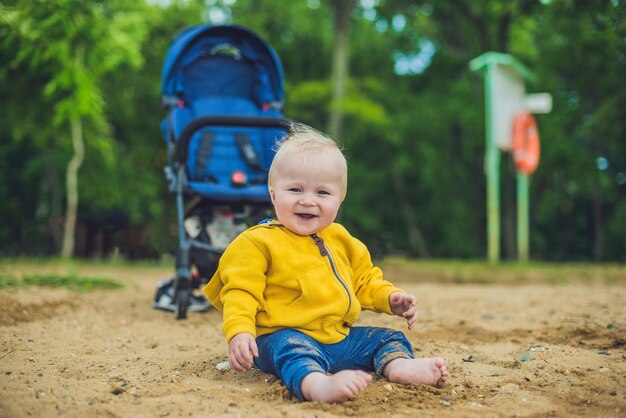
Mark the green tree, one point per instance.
(77, 42)
(580, 199)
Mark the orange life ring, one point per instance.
(525, 143)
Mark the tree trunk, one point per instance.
(54, 195)
(340, 71)
(417, 242)
(71, 179)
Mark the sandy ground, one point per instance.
(530, 350)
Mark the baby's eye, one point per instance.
(323, 192)
(294, 190)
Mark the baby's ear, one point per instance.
(272, 195)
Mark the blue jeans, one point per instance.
(291, 355)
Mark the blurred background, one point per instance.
(80, 83)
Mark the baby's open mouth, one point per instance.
(306, 215)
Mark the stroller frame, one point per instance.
(177, 176)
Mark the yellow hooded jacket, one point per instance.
(270, 279)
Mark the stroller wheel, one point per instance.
(164, 298)
(182, 303)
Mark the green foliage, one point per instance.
(301, 32)
(76, 41)
(415, 142)
(582, 72)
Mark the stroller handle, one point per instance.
(182, 145)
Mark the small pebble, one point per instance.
(223, 366)
(509, 388)
(388, 387)
(526, 357)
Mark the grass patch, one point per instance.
(72, 282)
(7, 281)
(166, 261)
(79, 275)
(510, 272)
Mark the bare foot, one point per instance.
(421, 371)
(338, 387)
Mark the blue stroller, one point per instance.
(223, 90)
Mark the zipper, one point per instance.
(325, 253)
(320, 244)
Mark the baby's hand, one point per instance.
(241, 348)
(404, 305)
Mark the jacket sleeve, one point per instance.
(371, 289)
(239, 286)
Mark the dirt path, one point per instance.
(530, 350)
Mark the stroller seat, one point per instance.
(216, 154)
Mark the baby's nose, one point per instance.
(307, 200)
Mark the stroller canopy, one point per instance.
(185, 68)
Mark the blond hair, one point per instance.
(303, 141)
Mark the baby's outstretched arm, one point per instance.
(241, 348)
(404, 305)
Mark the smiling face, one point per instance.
(307, 190)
